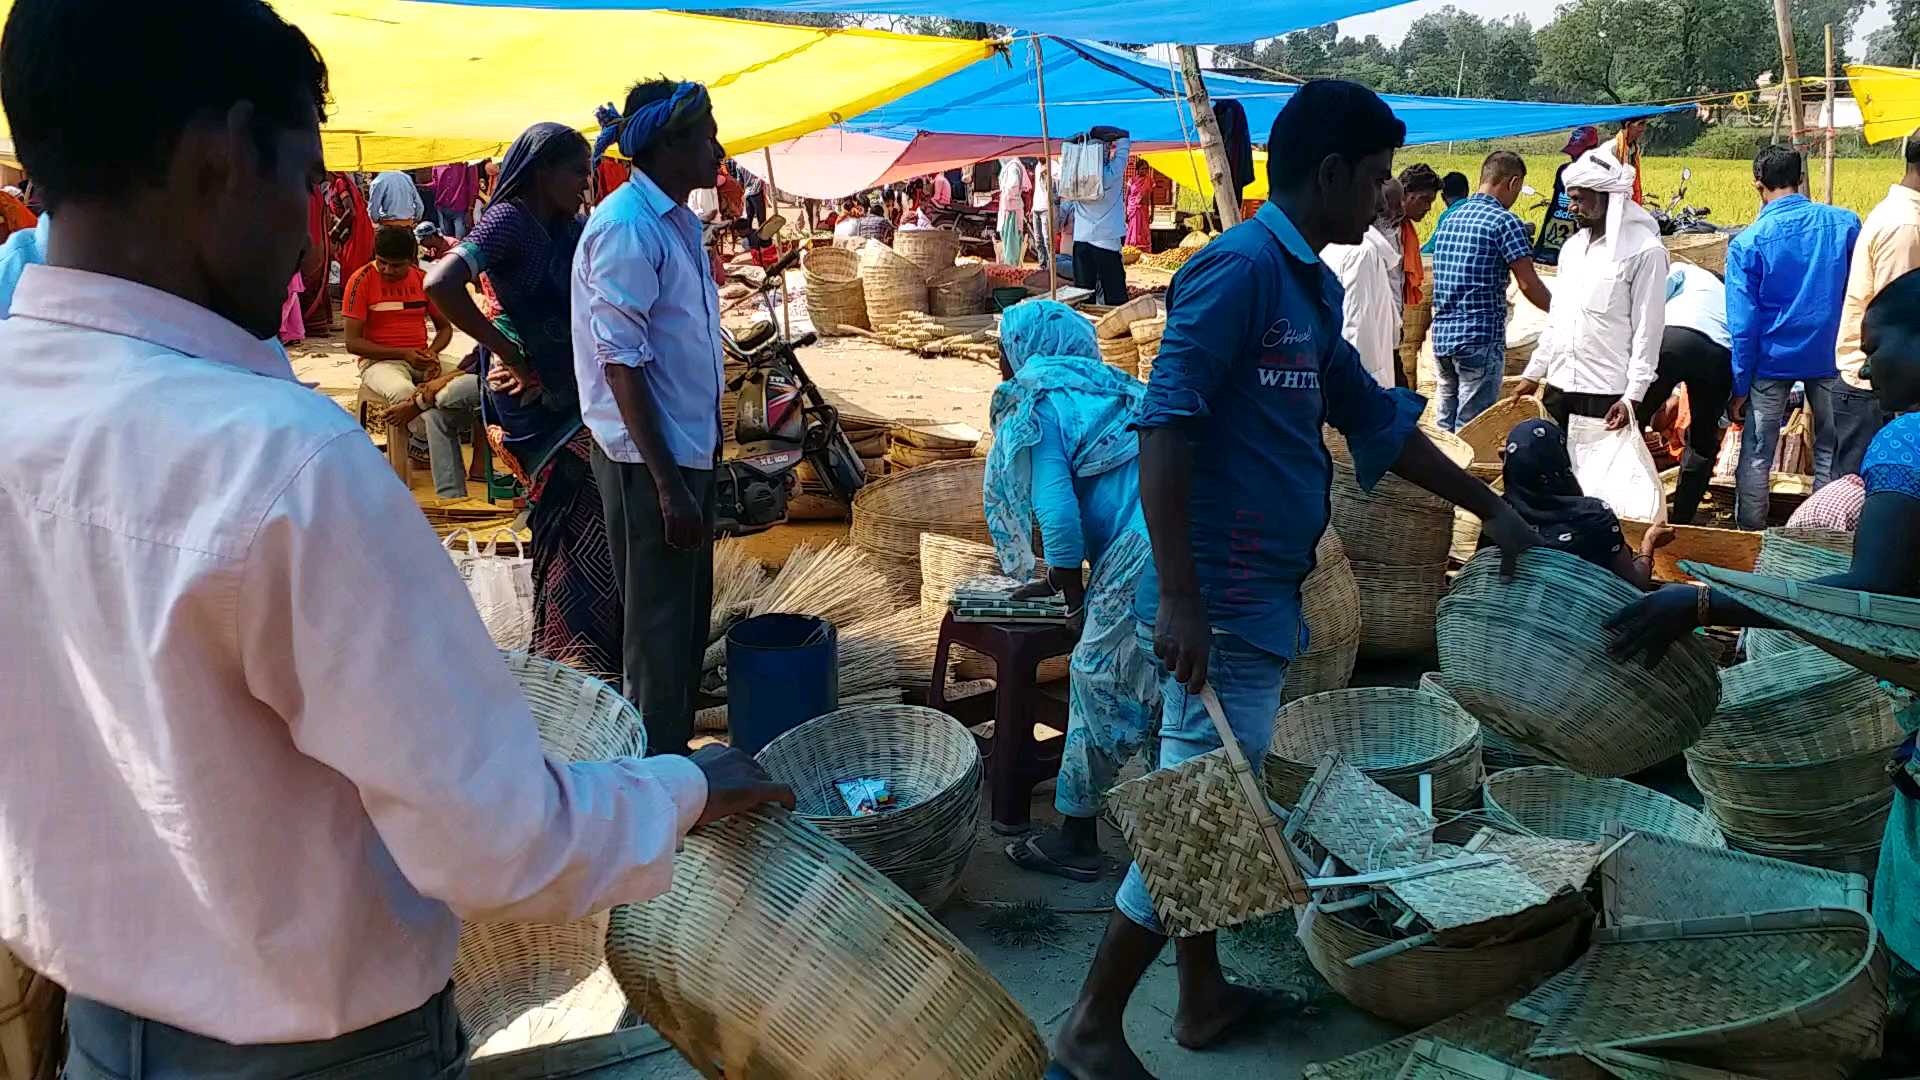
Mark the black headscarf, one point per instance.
(540, 145)
(1540, 485)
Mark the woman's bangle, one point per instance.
(1700, 605)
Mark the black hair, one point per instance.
(1501, 165)
(1453, 186)
(395, 244)
(152, 69)
(1325, 118)
(1913, 148)
(1897, 306)
(1418, 178)
(1777, 167)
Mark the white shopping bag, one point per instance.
(501, 586)
(1082, 171)
(1616, 468)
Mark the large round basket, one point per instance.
(1398, 606)
(945, 562)
(1800, 554)
(835, 296)
(1466, 524)
(1146, 338)
(521, 984)
(890, 514)
(1120, 353)
(927, 758)
(1487, 433)
(932, 250)
(1429, 983)
(779, 955)
(959, 290)
(1390, 733)
(1399, 523)
(893, 285)
(1330, 606)
(1702, 249)
(1529, 658)
(1496, 750)
(1550, 801)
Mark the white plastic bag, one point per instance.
(1616, 468)
(1083, 168)
(501, 587)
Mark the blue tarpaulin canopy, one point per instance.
(1091, 84)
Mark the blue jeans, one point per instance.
(1760, 442)
(1247, 680)
(453, 223)
(104, 1043)
(1468, 383)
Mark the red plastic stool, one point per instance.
(1016, 762)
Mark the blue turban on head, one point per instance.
(647, 122)
(1045, 328)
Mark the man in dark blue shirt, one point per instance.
(1234, 480)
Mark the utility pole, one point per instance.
(1790, 73)
(1832, 106)
(1226, 197)
(1459, 87)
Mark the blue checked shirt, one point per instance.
(1472, 249)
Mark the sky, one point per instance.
(1391, 25)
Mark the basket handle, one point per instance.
(1294, 883)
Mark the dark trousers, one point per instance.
(1562, 404)
(1691, 357)
(667, 595)
(104, 1043)
(1857, 418)
(1102, 271)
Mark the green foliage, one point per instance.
(1736, 143)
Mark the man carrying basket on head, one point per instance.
(1234, 479)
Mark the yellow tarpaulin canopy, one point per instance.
(422, 84)
(1889, 99)
(1189, 170)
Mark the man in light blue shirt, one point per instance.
(647, 357)
(1695, 349)
(392, 199)
(1786, 285)
(1100, 225)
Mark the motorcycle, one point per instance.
(1675, 218)
(780, 420)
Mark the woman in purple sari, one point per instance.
(1139, 191)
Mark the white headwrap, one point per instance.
(1629, 228)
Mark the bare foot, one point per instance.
(1199, 1025)
(1096, 1052)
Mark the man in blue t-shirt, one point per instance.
(1234, 480)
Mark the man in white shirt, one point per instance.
(1100, 225)
(1370, 316)
(1599, 351)
(1888, 247)
(1696, 348)
(262, 757)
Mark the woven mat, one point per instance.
(1472, 894)
(1433, 1059)
(1674, 983)
(1544, 1003)
(1627, 1065)
(1654, 878)
(1363, 824)
(1553, 864)
(1486, 1029)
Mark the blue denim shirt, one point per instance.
(1786, 284)
(1251, 365)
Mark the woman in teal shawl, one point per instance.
(1064, 459)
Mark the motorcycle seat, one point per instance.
(753, 337)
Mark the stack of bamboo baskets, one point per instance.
(912, 445)
(1146, 340)
(932, 250)
(892, 284)
(959, 290)
(1799, 555)
(835, 296)
(1793, 764)
(1398, 539)
(1114, 333)
(889, 515)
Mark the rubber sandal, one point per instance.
(1027, 856)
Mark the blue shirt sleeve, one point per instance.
(1375, 419)
(1892, 462)
(1055, 505)
(1211, 317)
(1510, 237)
(1743, 316)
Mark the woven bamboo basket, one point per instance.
(1391, 734)
(519, 984)
(889, 515)
(1875, 632)
(1487, 433)
(1530, 658)
(1497, 752)
(778, 954)
(959, 290)
(1120, 353)
(903, 456)
(1801, 731)
(1399, 523)
(945, 562)
(1330, 606)
(1798, 993)
(934, 436)
(1146, 338)
(1466, 525)
(933, 765)
(1485, 1028)
(835, 296)
(1398, 606)
(1721, 547)
(1550, 801)
(1703, 249)
(1656, 878)
(893, 285)
(1115, 322)
(1430, 983)
(31, 1006)
(1800, 554)
(932, 250)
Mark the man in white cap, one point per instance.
(1601, 347)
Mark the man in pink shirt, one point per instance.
(261, 755)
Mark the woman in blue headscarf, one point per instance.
(524, 245)
(1064, 458)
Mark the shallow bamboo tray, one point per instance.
(1735, 549)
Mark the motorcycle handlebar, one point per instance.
(785, 264)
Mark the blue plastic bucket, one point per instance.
(782, 670)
